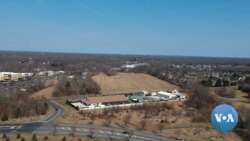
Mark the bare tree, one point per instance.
(143, 124)
(74, 129)
(126, 119)
(160, 126)
(130, 134)
(178, 133)
(108, 120)
(91, 133)
(223, 92)
(92, 117)
(112, 133)
(54, 129)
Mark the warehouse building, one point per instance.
(166, 95)
(12, 76)
(107, 100)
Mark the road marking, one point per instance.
(13, 131)
(68, 128)
(10, 127)
(78, 129)
(101, 131)
(119, 134)
(64, 128)
(19, 127)
(84, 129)
(144, 138)
(81, 129)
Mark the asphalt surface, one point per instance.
(24, 83)
(48, 127)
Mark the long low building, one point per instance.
(166, 95)
(107, 100)
(12, 76)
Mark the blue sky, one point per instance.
(156, 27)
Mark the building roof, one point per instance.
(106, 99)
(167, 94)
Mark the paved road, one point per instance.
(57, 111)
(49, 127)
(105, 132)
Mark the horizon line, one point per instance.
(124, 54)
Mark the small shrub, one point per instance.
(198, 118)
(34, 137)
(4, 136)
(64, 139)
(18, 136)
(223, 92)
(7, 139)
(5, 117)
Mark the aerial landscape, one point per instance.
(124, 70)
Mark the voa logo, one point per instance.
(224, 118)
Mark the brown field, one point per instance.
(239, 100)
(46, 93)
(131, 82)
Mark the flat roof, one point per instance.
(78, 104)
(106, 99)
(165, 93)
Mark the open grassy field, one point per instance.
(46, 93)
(131, 82)
(239, 100)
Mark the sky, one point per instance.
(217, 28)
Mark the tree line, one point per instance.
(16, 104)
(245, 86)
(21, 105)
(76, 86)
(200, 102)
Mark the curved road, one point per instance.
(48, 126)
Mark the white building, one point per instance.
(179, 95)
(12, 76)
(131, 66)
(166, 95)
(46, 73)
